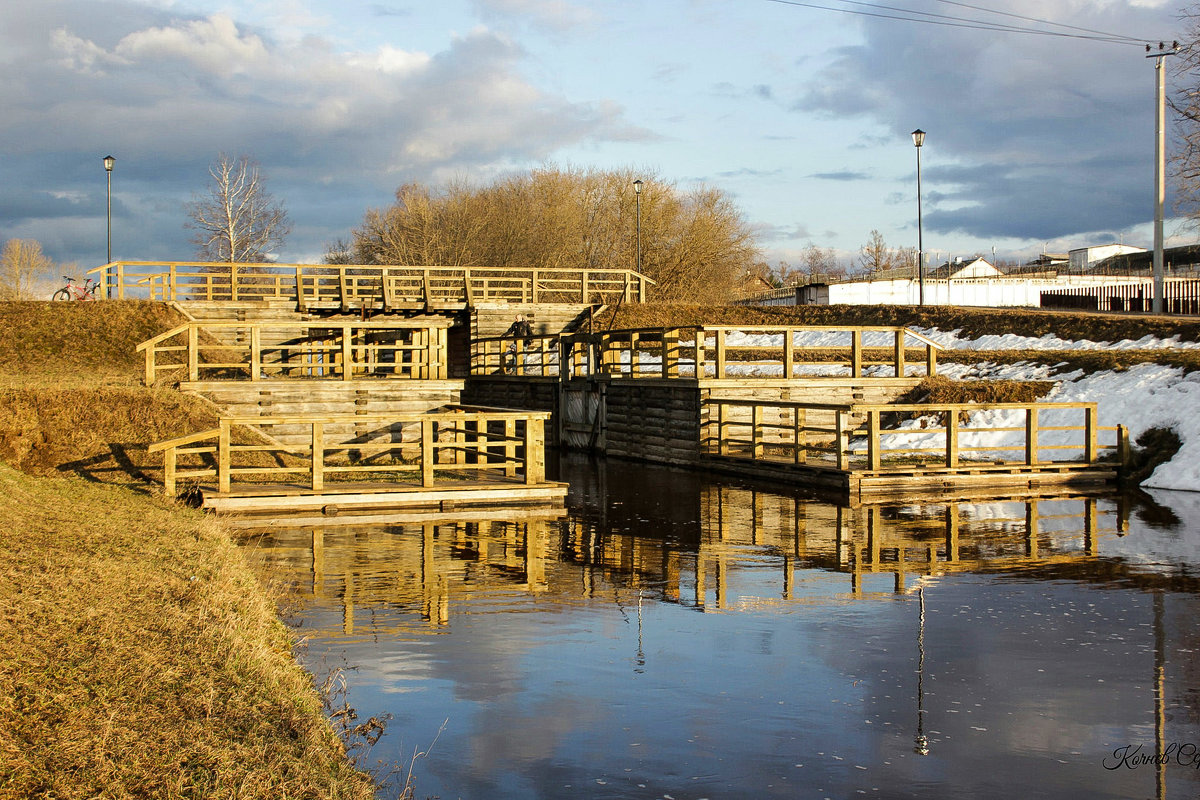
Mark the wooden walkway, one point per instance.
(315, 287)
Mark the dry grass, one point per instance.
(140, 658)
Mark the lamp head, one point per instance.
(637, 186)
(108, 163)
(918, 137)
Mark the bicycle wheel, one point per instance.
(61, 294)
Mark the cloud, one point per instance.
(1060, 131)
(841, 175)
(165, 94)
(557, 15)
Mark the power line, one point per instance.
(950, 21)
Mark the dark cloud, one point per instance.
(333, 133)
(1058, 132)
(841, 175)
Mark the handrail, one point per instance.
(456, 439)
(326, 349)
(873, 437)
(379, 286)
(713, 351)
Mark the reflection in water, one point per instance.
(1034, 639)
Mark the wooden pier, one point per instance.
(457, 457)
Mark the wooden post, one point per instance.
(535, 451)
(510, 447)
(301, 299)
(951, 438)
(701, 368)
(223, 457)
(756, 444)
(583, 287)
(874, 457)
(255, 351)
(722, 442)
(789, 354)
(634, 361)
(193, 353)
(800, 436)
(318, 456)
(841, 440)
(347, 354)
(899, 353)
(427, 452)
(720, 369)
(1031, 436)
(233, 282)
(533, 289)
(169, 456)
(670, 353)
(930, 360)
(172, 292)
(1091, 447)
(1123, 452)
(150, 365)
(856, 353)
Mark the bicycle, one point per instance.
(73, 291)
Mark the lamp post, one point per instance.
(1159, 171)
(108, 165)
(918, 137)
(637, 192)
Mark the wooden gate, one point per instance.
(581, 416)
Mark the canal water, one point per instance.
(681, 636)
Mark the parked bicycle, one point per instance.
(73, 291)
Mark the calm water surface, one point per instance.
(677, 636)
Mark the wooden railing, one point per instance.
(536, 355)
(369, 286)
(409, 449)
(727, 352)
(326, 350)
(875, 438)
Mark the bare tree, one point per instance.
(237, 219)
(22, 266)
(875, 256)
(695, 245)
(821, 261)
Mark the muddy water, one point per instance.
(681, 637)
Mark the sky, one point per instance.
(801, 115)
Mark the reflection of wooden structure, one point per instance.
(864, 449)
(368, 461)
(369, 287)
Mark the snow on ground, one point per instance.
(1010, 341)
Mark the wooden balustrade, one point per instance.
(414, 449)
(325, 350)
(536, 355)
(725, 352)
(365, 287)
(874, 437)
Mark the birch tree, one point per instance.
(22, 267)
(236, 219)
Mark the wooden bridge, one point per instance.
(383, 288)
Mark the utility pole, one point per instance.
(1160, 168)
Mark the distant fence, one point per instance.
(1179, 297)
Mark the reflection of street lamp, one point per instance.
(918, 137)
(637, 192)
(921, 741)
(108, 165)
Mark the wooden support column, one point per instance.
(701, 367)
(720, 372)
(670, 353)
(800, 437)
(1031, 436)
(874, 457)
(510, 448)
(930, 360)
(756, 444)
(1090, 446)
(952, 438)
(169, 460)
(535, 451)
(255, 352)
(856, 353)
(841, 440)
(427, 452)
(899, 358)
(223, 457)
(789, 355)
(193, 353)
(318, 456)
(347, 354)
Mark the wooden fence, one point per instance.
(895, 437)
(324, 350)
(727, 352)
(417, 449)
(382, 287)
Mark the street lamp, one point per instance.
(637, 192)
(918, 137)
(1159, 171)
(108, 165)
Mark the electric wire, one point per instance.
(950, 21)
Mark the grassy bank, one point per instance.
(139, 657)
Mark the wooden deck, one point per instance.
(358, 497)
